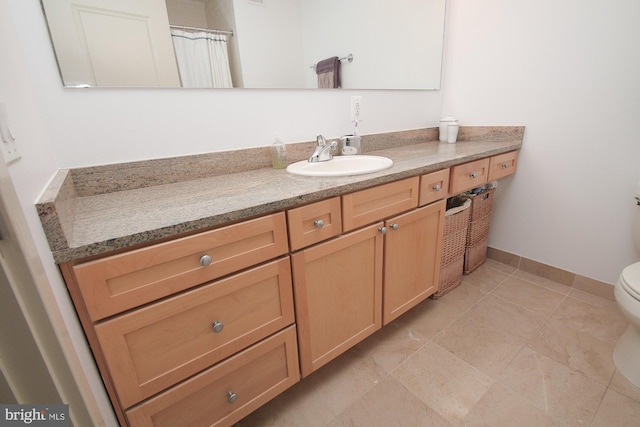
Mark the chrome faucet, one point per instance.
(323, 150)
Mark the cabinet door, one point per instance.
(412, 258)
(338, 295)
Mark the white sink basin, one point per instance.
(341, 166)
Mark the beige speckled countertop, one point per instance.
(91, 211)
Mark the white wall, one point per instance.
(569, 71)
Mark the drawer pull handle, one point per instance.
(232, 397)
(205, 260)
(394, 226)
(505, 166)
(383, 230)
(473, 175)
(217, 327)
(437, 187)
(318, 223)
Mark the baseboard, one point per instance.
(576, 281)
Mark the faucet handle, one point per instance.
(320, 140)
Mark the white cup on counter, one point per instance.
(452, 132)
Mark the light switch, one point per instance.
(7, 143)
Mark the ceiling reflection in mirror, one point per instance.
(273, 44)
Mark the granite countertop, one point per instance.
(92, 211)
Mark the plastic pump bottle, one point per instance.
(278, 154)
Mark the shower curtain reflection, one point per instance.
(203, 59)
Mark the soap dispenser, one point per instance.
(278, 154)
(351, 143)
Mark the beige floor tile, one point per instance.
(398, 340)
(500, 407)
(617, 410)
(541, 281)
(429, 317)
(393, 344)
(389, 404)
(577, 350)
(488, 349)
(622, 385)
(606, 324)
(462, 298)
(346, 379)
(485, 278)
(528, 295)
(301, 405)
(594, 300)
(499, 313)
(551, 386)
(443, 381)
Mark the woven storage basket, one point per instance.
(478, 230)
(481, 204)
(453, 247)
(475, 256)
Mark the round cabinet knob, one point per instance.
(217, 327)
(383, 230)
(231, 397)
(318, 223)
(505, 166)
(394, 226)
(205, 260)
(473, 174)
(437, 187)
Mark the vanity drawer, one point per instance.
(227, 392)
(154, 347)
(468, 175)
(377, 203)
(121, 282)
(503, 165)
(314, 223)
(434, 186)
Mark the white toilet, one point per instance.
(626, 354)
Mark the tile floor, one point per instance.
(505, 348)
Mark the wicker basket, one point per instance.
(478, 230)
(475, 256)
(453, 248)
(481, 204)
(450, 277)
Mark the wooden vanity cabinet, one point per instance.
(412, 253)
(182, 321)
(347, 288)
(338, 295)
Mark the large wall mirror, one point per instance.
(272, 44)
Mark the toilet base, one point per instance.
(626, 355)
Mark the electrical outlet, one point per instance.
(7, 141)
(356, 108)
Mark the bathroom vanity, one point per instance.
(204, 296)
